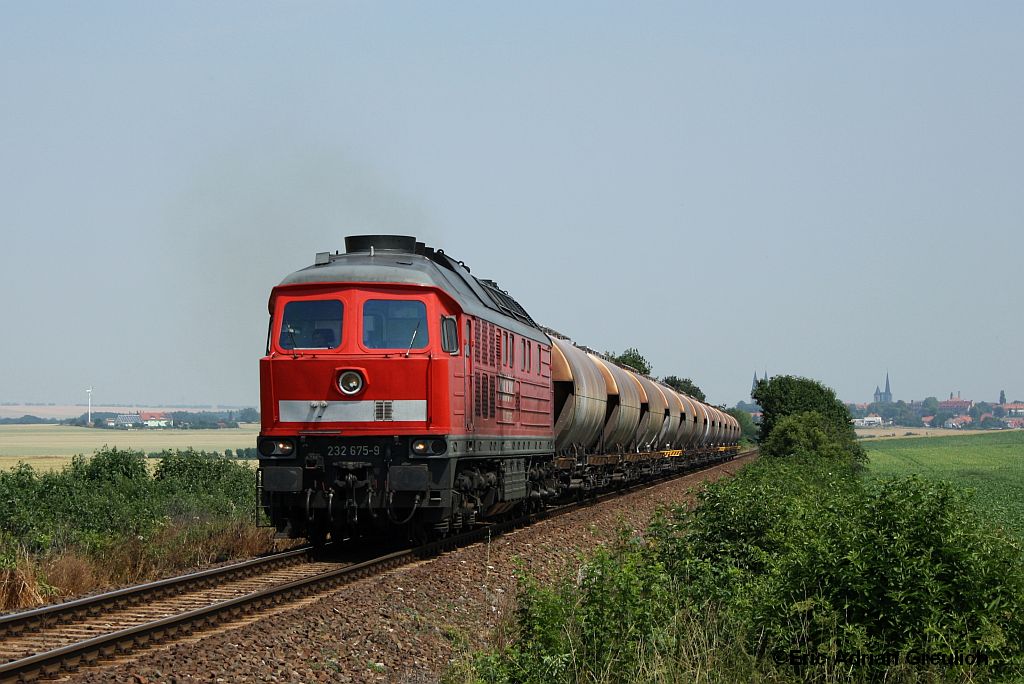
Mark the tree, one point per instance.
(907, 415)
(930, 406)
(991, 423)
(1002, 396)
(941, 417)
(747, 428)
(632, 358)
(741, 405)
(786, 395)
(980, 409)
(248, 415)
(856, 412)
(686, 386)
(811, 434)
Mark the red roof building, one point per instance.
(956, 405)
(1014, 409)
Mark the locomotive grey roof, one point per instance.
(400, 259)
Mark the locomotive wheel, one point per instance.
(317, 535)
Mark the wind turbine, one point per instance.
(89, 392)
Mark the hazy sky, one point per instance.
(808, 188)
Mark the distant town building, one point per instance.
(155, 419)
(149, 419)
(956, 405)
(1014, 409)
(753, 385)
(869, 421)
(958, 422)
(886, 396)
(127, 420)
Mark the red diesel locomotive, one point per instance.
(399, 391)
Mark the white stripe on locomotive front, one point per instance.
(312, 411)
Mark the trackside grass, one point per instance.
(992, 465)
(807, 566)
(113, 519)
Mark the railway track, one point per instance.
(49, 641)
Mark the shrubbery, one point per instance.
(812, 434)
(96, 502)
(111, 510)
(793, 570)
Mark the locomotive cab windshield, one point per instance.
(348, 321)
(395, 324)
(311, 324)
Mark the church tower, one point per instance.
(886, 396)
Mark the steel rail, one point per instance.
(15, 624)
(93, 650)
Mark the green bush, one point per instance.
(95, 503)
(786, 395)
(587, 627)
(816, 563)
(792, 570)
(809, 433)
(201, 483)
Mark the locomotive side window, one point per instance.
(395, 324)
(449, 335)
(314, 324)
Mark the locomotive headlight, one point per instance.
(350, 382)
(276, 447)
(428, 447)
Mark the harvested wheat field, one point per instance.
(50, 447)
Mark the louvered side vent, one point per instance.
(476, 395)
(491, 332)
(383, 410)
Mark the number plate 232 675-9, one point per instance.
(353, 450)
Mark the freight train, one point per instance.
(400, 394)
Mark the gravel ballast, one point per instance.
(406, 625)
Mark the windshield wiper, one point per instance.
(291, 333)
(413, 340)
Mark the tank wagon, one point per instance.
(402, 394)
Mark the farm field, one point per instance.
(893, 432)
(50, 447)
(991, 464)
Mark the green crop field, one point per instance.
(991, 464)
(49, 447)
